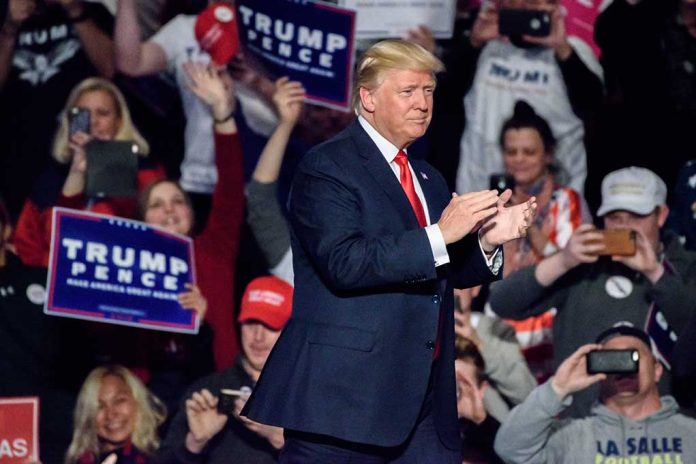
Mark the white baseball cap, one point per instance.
(633, 189)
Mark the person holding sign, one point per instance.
(115, 414)
(364, 369)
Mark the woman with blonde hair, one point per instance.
(63, 182)
(115, 414)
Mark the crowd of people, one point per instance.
(592, 138)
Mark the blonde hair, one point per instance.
(387, 55)
(151, 412)
(126, 128)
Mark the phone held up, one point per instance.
(617, 242)
(227, 398)
(522, 21)
(612, 361)
(79, 120)
(501, 182)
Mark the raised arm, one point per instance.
(264, 214)
(216, 89)
(527, 435)
(132, 56)
(97, 44)
(17, 12)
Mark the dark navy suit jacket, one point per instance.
(355, 358)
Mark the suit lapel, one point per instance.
(433, 195)
(379, 169)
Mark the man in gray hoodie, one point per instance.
(631, 423)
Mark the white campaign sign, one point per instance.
(379, 19)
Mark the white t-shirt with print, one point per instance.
(198, 172)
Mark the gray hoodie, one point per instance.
(531, 434)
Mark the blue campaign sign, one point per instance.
(119, 271)
(310, 42)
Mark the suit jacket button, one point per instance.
(436, 299)
(430, 344)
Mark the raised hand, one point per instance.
(469, 397)
(213, 86)
(582, 247)
(204, 420)
(77, 143)
(423, 36)
(462, 315)
(485, 27)
(571, 376)
(465, 212)
(645, 260)
(508, 222)
(288, 98)
(193, 299)
(18, 11)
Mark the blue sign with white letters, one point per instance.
(307, 41)
(119, 271)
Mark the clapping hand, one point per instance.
(508, 222)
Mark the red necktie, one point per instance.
(407, 183)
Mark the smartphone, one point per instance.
(617, 242)
(112, 169)
(612, 361)
(78, 120)
(501, 182)
(521, 21)
(227, 397)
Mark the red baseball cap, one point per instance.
(268, 300)
(216, 32)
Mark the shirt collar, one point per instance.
(388, 149)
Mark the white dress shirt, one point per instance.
(437, 241)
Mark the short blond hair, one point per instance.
(151, 414)
(126, 128)
(387, 55)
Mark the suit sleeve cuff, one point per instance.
(494, 261)
(437, 245)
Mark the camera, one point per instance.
(501, 182)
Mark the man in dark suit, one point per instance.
(364, 371)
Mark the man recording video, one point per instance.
(630, 423)
(653, 287)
